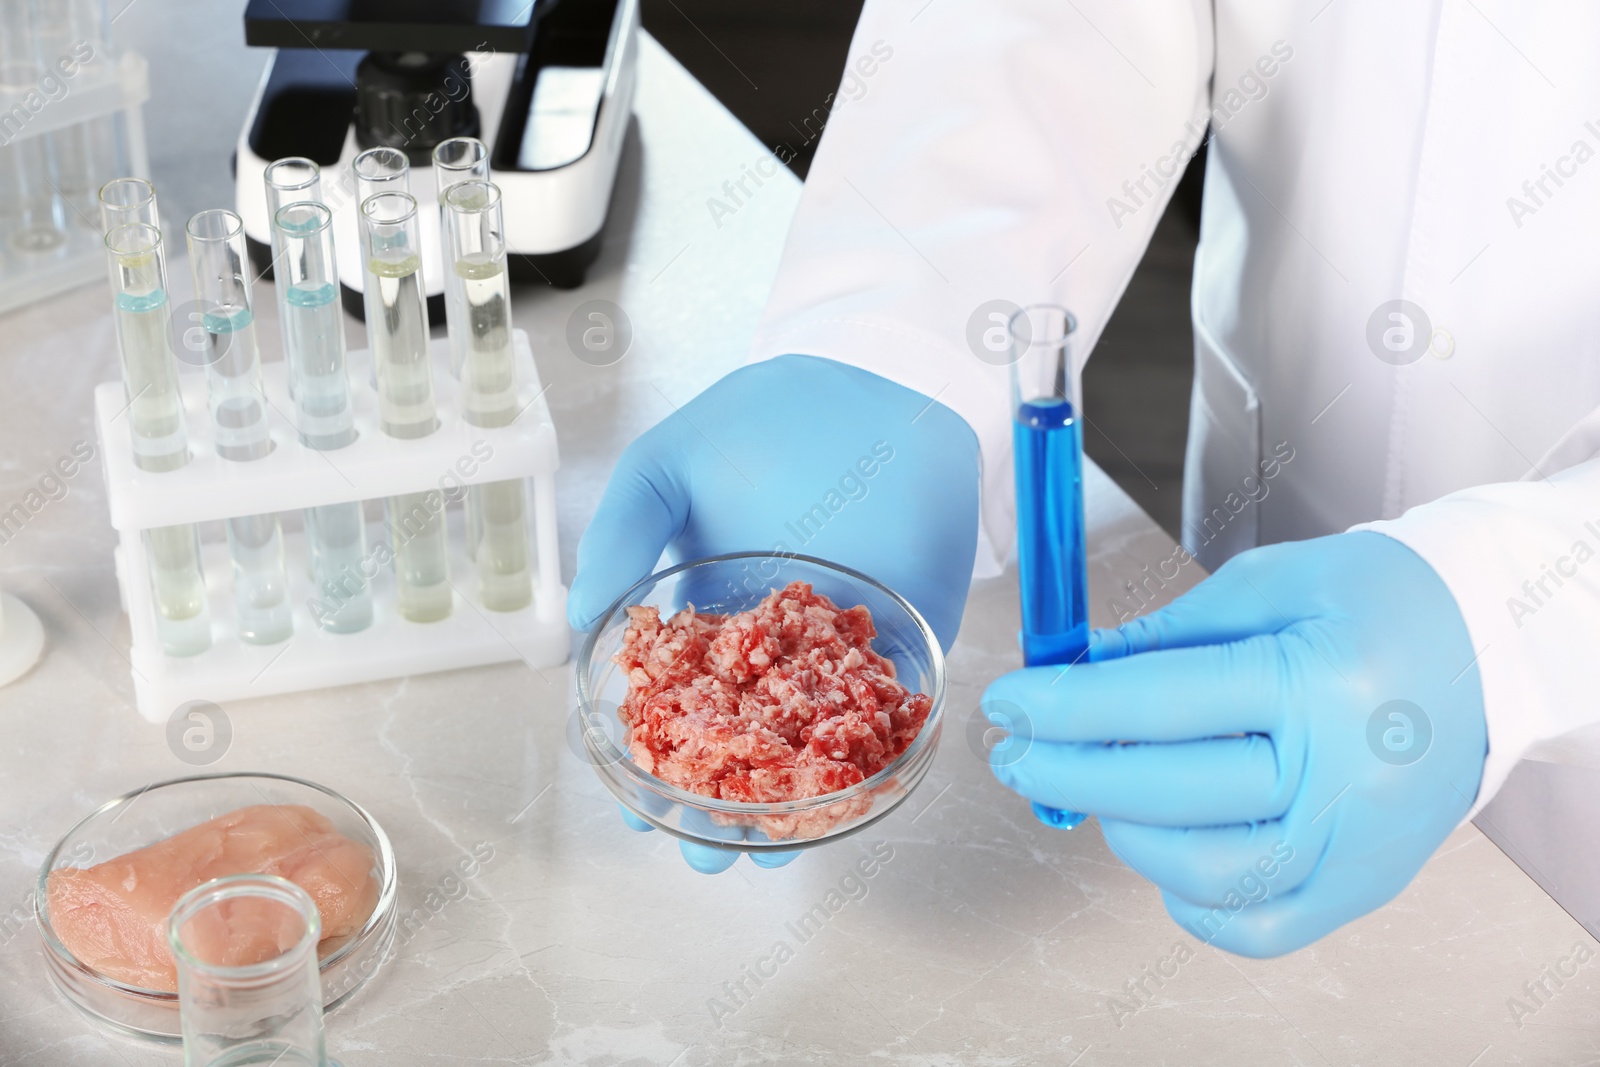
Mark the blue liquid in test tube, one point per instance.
(1047, 441)
(1048, 445)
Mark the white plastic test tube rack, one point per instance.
(52, 101)
(294, 477)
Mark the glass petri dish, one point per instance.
(143, 816)
(737, 582)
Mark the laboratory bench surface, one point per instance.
(980, 937)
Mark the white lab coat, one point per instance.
(980, 150)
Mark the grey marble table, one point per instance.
(981, 938)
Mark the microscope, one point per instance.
(547, 85)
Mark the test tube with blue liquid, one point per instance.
(226, 347)
(1047, 441)
(313, 345)
(291, 180)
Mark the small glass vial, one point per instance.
(249, 991)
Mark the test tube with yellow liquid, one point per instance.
(497, 512)
(397, 331)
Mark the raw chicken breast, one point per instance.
(113, 916)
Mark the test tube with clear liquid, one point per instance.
(456, 160)
(313, 342)
(249, 991)
(32, 214)
(397, 328)
(378, 170)
(1047, 440)
(225, 344)
(291, 180)
(497, 512)
(77, 32)
(156, 424)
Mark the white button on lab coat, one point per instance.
(1397, 285)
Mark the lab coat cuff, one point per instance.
(975, 390)
(1464, 541)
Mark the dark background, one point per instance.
(773, 64)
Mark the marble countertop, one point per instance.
(981, 937)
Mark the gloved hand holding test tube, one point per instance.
(1047, 442)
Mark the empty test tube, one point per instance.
(127, 200)
(456, 160)
(397, 328)
(381, 170)
(497, 513)
(218, 263)
(291, 180)
(313, 343)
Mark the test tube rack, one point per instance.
(293, 477)
(117, 86)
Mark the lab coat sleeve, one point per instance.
(1523, 562)
(977, 151)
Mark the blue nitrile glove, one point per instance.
(800, 455)
(1301, 731)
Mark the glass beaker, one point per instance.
(249, 991)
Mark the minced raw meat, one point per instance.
(783, 702)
